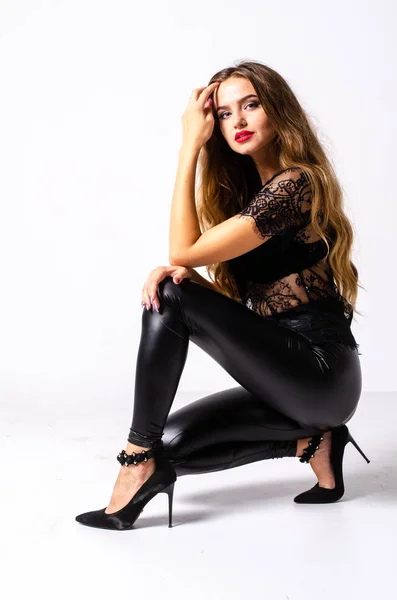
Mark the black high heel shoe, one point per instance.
(340, 437)
(162, 480)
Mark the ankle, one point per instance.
(301, 445)
(130, 448)
(141, 466)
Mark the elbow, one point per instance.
(173, 262)
(184, 258)
(177, 258)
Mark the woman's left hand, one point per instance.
(197, 120)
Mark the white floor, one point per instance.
(236, 534)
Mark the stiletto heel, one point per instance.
(170, 491)
(350, 439)
(161, 480)
(340, 437)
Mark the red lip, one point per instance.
(241, 133)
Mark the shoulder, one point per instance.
(292, 177)
(287, 188)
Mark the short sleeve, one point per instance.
(282, 203)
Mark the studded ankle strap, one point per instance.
(135, 457)
(157, 451)
(310, 450)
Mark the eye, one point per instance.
(250, 104)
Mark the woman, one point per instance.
(278, 245)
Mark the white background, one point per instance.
(92, 94)
(91, 98)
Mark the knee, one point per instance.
(167, 282)
(182, 435)
(175, 443)
(167, 287)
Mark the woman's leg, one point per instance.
(318, 388)
(236, 417)
(227, 429)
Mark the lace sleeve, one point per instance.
(283, 202)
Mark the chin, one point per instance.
(245, 150)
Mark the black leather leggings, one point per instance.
(289, 388)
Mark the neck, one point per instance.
(266, 163)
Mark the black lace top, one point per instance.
(287, 278)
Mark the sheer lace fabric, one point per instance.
(287, 277)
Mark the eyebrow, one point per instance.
(241, 100)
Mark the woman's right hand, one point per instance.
(149, 290)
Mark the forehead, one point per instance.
(232, 90)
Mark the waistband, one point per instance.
(318, 326)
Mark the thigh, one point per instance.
(231, 415)
(314, 386)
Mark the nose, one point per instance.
(239, 122)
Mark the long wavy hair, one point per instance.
(227, 180)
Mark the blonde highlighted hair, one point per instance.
(227, 180)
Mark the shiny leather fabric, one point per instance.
(288, 386)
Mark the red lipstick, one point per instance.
(241, 136)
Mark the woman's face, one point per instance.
(238, 115)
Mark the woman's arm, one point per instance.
(282, 203)
(198, 124)
(184, 224)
